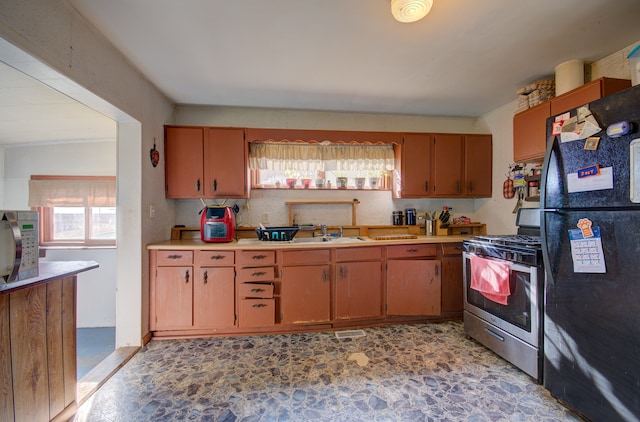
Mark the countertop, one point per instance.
(49, 270)
(300, 243)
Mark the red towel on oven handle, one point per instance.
(491, 279)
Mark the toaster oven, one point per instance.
(217, 224)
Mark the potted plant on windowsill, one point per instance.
(341, 181)
(374, 178)
(360, 181)
(291, 178)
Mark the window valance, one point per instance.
(320, 157)
(72, 191)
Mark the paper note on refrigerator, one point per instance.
(587, 253)
(601, 181)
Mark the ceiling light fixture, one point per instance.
(406, 11)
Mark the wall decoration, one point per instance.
(154, 155)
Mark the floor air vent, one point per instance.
(350, 334)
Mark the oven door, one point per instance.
(521, 316)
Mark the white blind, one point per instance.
(72, 192)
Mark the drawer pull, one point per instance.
(259, 305)
(258, 257)
(217, 257)
(174, 256)
(258, 274)
(412, 250)
(257, 290)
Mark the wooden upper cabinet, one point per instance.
(416, 165)
(478, 164)
(530, 126)
(184, 164)
(226, 168)
(205, 162)
(447, 165)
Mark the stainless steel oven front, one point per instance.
(513, 331)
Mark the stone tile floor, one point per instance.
(420, 372)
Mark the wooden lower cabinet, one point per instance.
(358, 283)
(289, 289)
(452, 284)
(413, 287)
(214, 298)
(306, 294)
(187, 297)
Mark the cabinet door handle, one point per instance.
(186, 276)
(174, 256)
(205, 276)
(259, 305)
(426, 186)
(324, 275)
(215, 185)
(258, 274)
(198, 185)
(341, 273)
(257, 290)
(458, 186)
(258, 257)
(437, 270)
(470, 186)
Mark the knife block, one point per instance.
(442, 229)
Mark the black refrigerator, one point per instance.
(590, 230)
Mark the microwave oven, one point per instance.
(217, 224)
(19, 248)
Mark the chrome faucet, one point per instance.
(324, 230)
(340, 228)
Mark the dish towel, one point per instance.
(491, 279)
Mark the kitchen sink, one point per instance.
(319, 240)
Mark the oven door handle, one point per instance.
(513, 266)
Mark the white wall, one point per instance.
(2, 205)
(55, 41)
(97, 288)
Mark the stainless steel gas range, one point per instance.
(503, 293)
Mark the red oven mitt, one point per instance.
(507, 189)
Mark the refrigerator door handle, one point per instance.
(545, 246)
(545, 169)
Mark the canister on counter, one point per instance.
(396, 217)
(410, 216)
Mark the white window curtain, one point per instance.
(72, 192)
(318, 157)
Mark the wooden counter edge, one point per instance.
(49, 270)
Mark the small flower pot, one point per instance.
(374, 182)
(319, 183)
(341, 182)
(292, 183)
(306, 183)
(360, 182)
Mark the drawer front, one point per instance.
(215, 258)
(358, 254)
(257, 313)
(177, 258)
(256, 258)
(451, 248)
(256, 274)
(411, 251)
(255, 290)
(315, 256)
